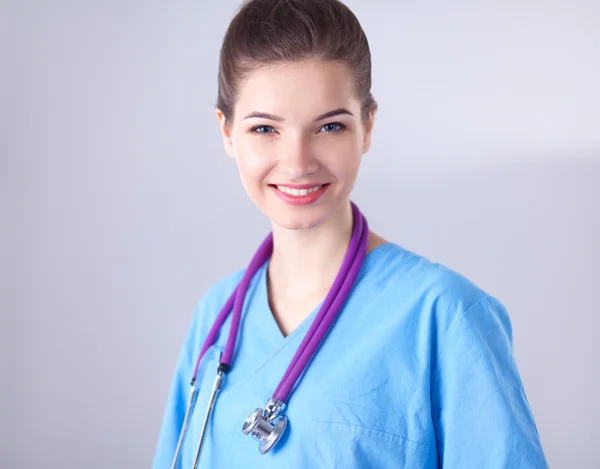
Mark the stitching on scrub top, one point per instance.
(453, 326)
(355, 430)
(382, 434)
(362, 431)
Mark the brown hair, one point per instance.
(265, 32)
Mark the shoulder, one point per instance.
(401, 272)
(440, 297)
(208, 307)
(218, 293)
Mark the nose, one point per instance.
(296, 159)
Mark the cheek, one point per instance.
(253, 160)
(342, 155)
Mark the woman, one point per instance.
(414, 368)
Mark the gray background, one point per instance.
(119, 206)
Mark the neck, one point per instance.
(306, 262)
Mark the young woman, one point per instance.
(334, 348)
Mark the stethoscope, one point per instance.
(267, 425)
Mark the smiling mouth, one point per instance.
(298, 192)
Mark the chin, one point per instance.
(295, 218)
(297, 222)
(299, 217)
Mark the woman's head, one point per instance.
(295, 104)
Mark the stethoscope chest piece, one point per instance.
(266, 425)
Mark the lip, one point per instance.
(300, 186)
(307, 199)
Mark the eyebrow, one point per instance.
(264, 115)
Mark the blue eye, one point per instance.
(262, 129)
(333, 127)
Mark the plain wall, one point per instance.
(120, 206)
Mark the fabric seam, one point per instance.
(453, 326)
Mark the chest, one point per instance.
(362, 402)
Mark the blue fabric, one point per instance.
(417, 372)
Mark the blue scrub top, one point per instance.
(417, 372)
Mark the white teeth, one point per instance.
(298, 192)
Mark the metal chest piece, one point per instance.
(267, 425)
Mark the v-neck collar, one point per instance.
(266, 338)
(266, 316)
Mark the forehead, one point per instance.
(297, 90)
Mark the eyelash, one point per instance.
(339, 124)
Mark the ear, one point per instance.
(226, 133)
(368, 129)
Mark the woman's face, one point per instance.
(297, 139)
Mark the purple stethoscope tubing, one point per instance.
(327, 314)
(323, 321)
(261, 256)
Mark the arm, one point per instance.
(479, 407)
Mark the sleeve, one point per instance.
(177, 399)
(480, 410)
